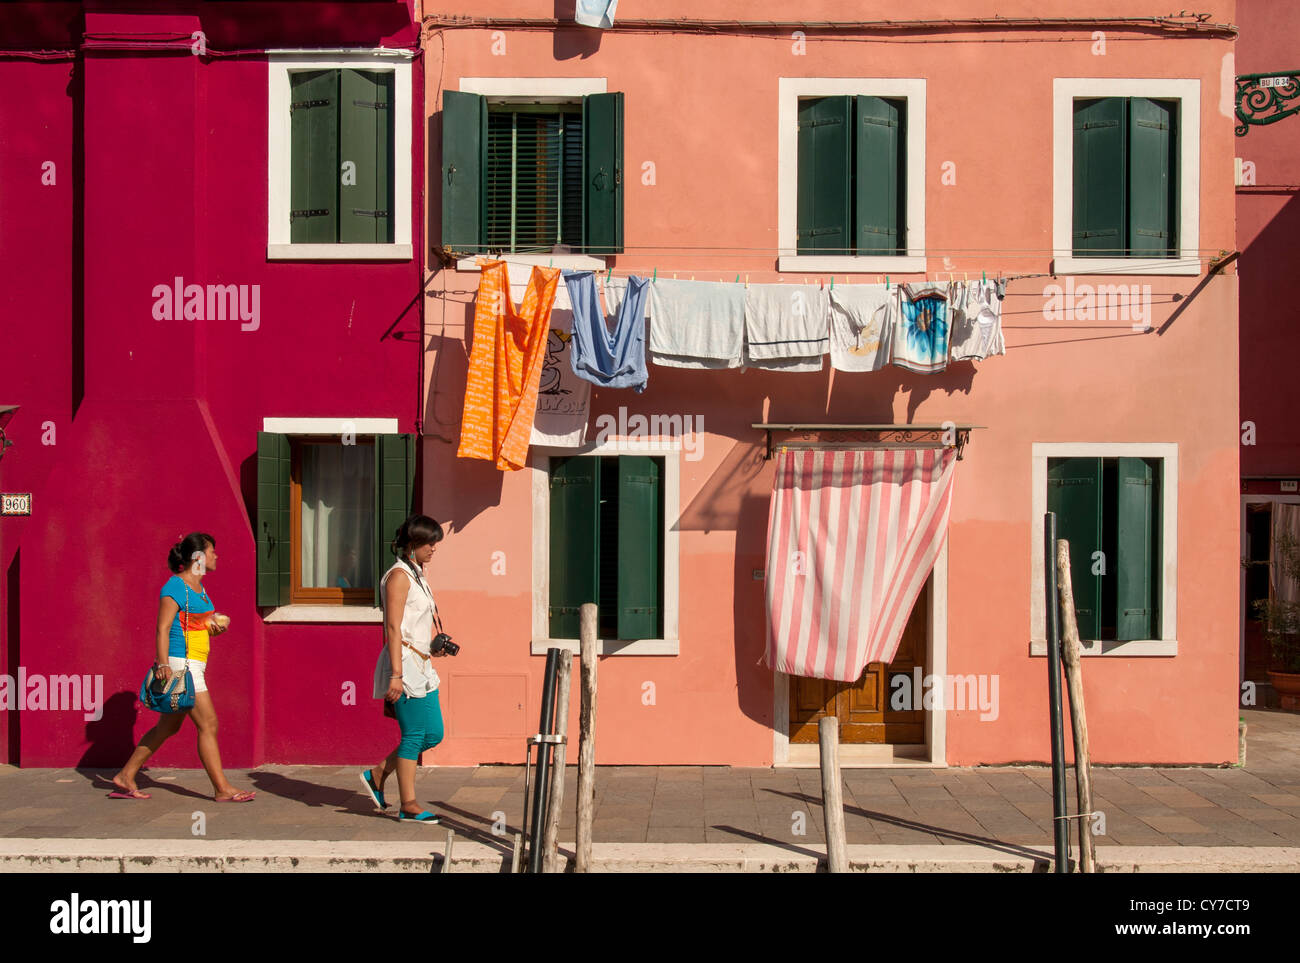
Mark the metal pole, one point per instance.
(541, 774)
(1061, 830)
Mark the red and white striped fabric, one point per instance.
(851, 538)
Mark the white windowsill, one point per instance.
(848, 264)
(571, 262)
(1137, 647)
(339, 252)
(325, 613)
(1127, 266)
(612, 646)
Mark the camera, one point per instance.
(442, 643)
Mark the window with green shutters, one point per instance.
(852, 190)
(1108, 509)
(532, 178)
(1126, 192)
(606, 545)
(326, 514)
(341, 156)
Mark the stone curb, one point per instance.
(313, 856)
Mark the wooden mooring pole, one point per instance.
(837, 853)
(1078, 718)
(587, 739)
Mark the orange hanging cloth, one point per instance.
(505, 366)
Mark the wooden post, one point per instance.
(837, 853)
(1078, 718)
(587, 738)
(446, 856)
(551, 838)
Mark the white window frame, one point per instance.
(1167, 644)
(328, 426)
(540, 466)
(1065, 91)
(280, 64)
(535, 90)
(790, 91)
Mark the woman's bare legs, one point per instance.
(168, 725)
(204, 716)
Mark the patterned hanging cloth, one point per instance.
(505, 366)
(851, 538)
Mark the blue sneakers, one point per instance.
(424, 817)
(371, 788)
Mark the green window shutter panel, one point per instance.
(1153, 191)
(464, 167)
(1137, 568)
(602, 173)
(1074, 494)
(534, 180)
(824, 205)
(394, 491)
(880, 171)
(1100, 177)
(574, 542)
(273, 513)
(314, 157)
(365, 172)
(640, 530)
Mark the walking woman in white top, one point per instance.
(404, 674)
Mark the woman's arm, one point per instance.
(167, 609)
(394, 606)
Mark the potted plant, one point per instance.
(1282, 626)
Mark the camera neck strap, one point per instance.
(419, 580)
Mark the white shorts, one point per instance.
(196, 670)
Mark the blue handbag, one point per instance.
(174, 694)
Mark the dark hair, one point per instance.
(417, 530)
(183, 551)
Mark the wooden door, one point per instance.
(863, 707)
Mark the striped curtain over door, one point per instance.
(851, 538)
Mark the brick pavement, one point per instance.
(1000, 809)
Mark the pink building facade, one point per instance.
(178, 170)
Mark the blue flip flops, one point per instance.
(371, 788)
(424, 817)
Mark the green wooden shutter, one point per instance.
(880, 171)
(1137, 568)
(640, 529)
(1100, 177)
(314, 157)
(1152, 208)
(366, 140)
(602, 173)
(394, 491)
(273, 518)
(575, 541)
(825, 191)
(1074, 494)
(464, 167)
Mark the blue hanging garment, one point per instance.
(596, 13)
(610, 360)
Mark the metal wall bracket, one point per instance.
(1266, 99)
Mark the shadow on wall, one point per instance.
(576, 41)
(111, 738)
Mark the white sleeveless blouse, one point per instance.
(418, 675)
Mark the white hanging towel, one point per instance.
(851, 538)
(862, 326)
(696, 324)
(596, 13)
(786, 327)
(976, 320)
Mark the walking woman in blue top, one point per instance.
(186, 622)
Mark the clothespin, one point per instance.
(608, 275)
(692, 277)
(832, 282)
(656, 275)
(737, 278)
(965, 276)
(746, 280)
(674, 275)
(550, 263)
(886, 282)
(984, 278)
